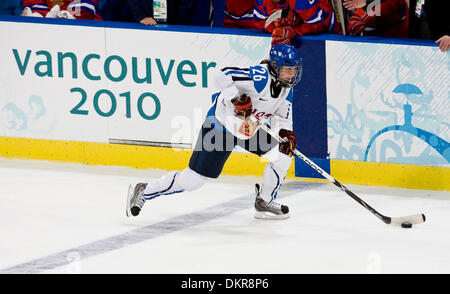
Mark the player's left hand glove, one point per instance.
(65, 14)
(242, 105)
(53, 12)
(283, 35)
(289, 146)
(359, 21)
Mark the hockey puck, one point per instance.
(406, 225)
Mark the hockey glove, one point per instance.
(359, 21)
(289, 146)
(242, 105)
(289, 18)
(283, 35)
(53, 13)
(65, 14)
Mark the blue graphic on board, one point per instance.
(18, 120)
(247, 50)
(27, 118)
(388, 103)
(439, 144)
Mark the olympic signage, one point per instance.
(94, 84)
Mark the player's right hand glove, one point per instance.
(242, 105)
(289, 18)
(283, 35)
(289, 146)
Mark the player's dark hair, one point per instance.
(272, 70)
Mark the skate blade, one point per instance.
(268, 215)
(130, 194)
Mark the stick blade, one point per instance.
(273, 17)
(413, 219)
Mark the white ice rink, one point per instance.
(70, 218)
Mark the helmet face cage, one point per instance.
(286, 55)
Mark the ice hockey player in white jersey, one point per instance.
(263, 91)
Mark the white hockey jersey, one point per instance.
(255, 82)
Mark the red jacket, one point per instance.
(391, 19)
(81, 9)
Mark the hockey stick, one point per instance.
(394, 221)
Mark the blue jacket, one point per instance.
(141, 9)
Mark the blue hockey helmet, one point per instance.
(285, 55)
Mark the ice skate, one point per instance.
(269, 210)
(135, 199)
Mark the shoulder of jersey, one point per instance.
(304, 4)
(290, 96)
(260, 77)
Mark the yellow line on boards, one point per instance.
(144, 157)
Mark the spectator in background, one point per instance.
(178, 12)
(182, 12)
(430, 20)
(239, 14)
(301, 17)
(116, 10)
(142, 11)
(8, 7)
(386, 18)
(71, 9)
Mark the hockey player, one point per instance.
(72, 9)
(263, 91)
(304, 17)
(239, 14)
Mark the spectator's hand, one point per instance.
(358, 22)
(354, 4)
(283, 35)
(148, 21)
(444, 43)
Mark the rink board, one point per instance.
(69, 103)
(144, 157)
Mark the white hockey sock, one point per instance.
(174, 182)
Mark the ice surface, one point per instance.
(70, 218)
